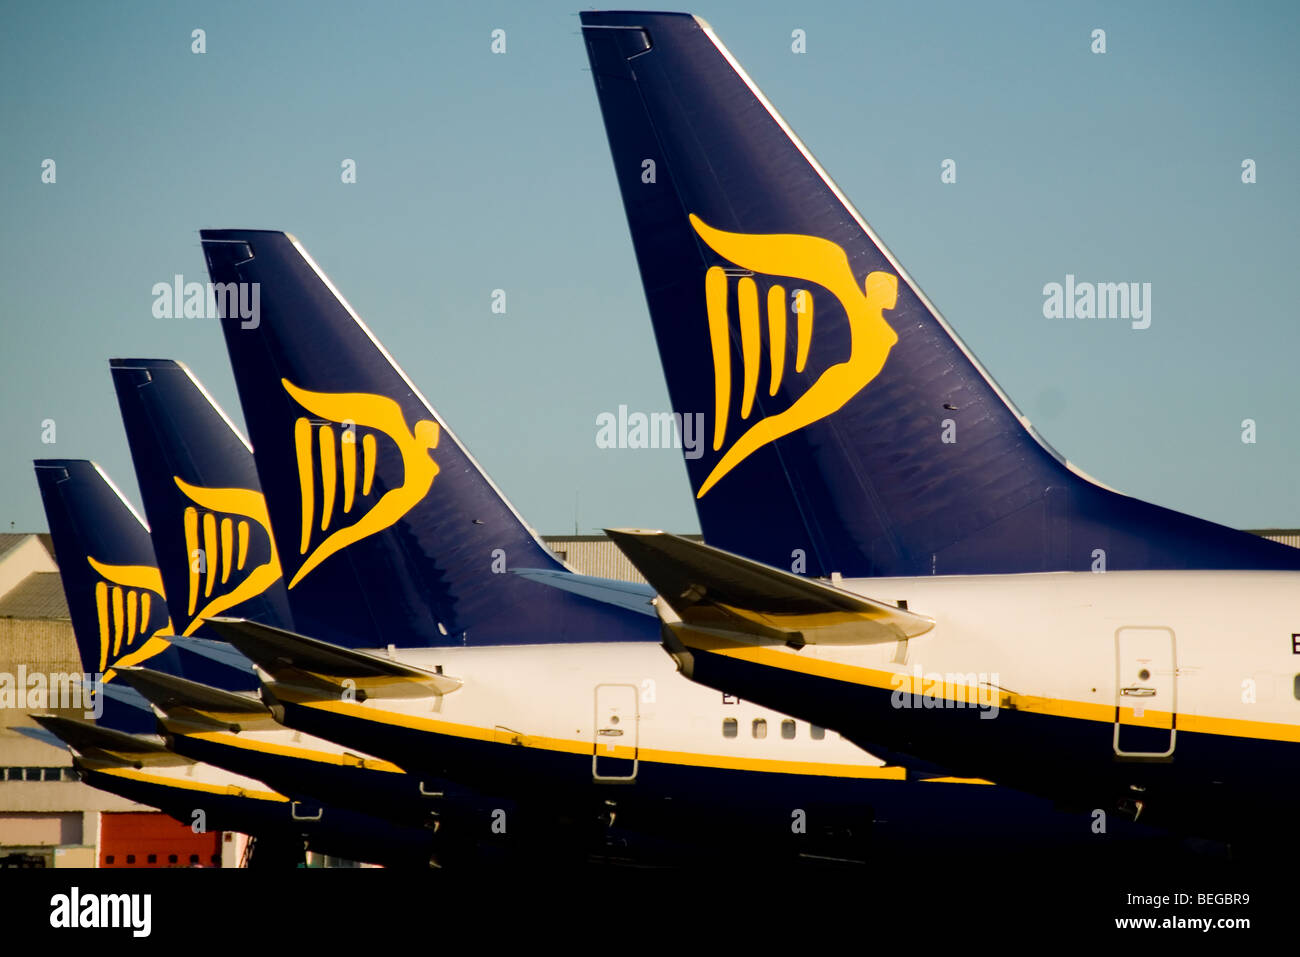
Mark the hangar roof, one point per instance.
(39, 595)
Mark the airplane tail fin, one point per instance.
(386, 527)
(846, 428)
(113, 586)
(210, 527)
(112, 583)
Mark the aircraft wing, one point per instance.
(299, 660)
(716, 591)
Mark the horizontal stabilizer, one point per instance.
(193, 703)
(217, 651)
(630, 595)
(41, 735)
(716, 591)
(298, 660)
(126, 696)
(105, 745)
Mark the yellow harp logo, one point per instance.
(360, 416)
(130, 605)
(224, 518)
(809, 259)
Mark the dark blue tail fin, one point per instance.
(845, 421)
(388, 531)
(114, 589)
(112, 583)
(211, 529)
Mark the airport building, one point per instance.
(48, 818)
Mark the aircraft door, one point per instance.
(1146, 689)
(614, 755)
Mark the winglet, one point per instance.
(715, 591)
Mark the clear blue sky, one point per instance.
(478, 171)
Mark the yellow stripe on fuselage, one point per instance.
(228, 790)
(579, 747)
(229, 740)
(1056, 707)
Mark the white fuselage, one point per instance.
(1168, 689)
(1056, 636)
(562, 698)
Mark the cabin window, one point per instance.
(110, 859)
(729, 727)
(152, 859)
(816, 733)
(760, 727)
(194, 860)
(130, 858)
(787, 729)
(171, 859)
(1296, 688)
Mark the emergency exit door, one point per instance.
(615, 754)
(1146, 690)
